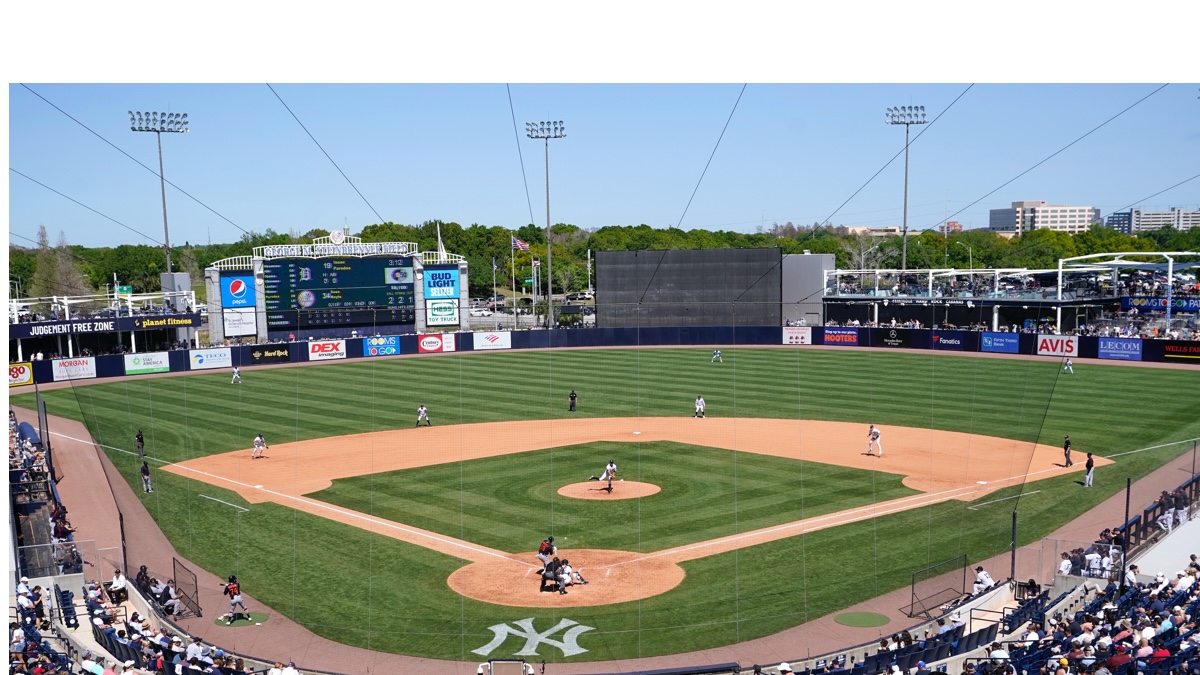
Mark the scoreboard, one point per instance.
(351, 291)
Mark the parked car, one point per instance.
(480, 311)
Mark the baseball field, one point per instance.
(764, 515)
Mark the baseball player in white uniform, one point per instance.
(423, 414)
(260, 444)
(699, 407)
(610, 472)
(1068, 367)
(873, 441)
(717, 356)
(237, 376)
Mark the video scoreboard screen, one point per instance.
(307, 292)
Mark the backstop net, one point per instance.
(938, 585)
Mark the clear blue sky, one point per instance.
(633, 154)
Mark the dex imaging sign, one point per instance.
(326, 350)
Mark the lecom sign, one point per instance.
(326, 350)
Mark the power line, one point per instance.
(110, 143)
(889, 162)
(1054, 154)
(335, 164)
(521, 157)
(697, 188)
(1143, 199)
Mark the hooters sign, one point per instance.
(326, 350)
(1057, 345)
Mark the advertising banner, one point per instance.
(273, 354)
(81, 368)
(493, 340)
(1001, 343)
(948, 339)
(441, 284)
(237, 291)
(797, 335)
(1179, 349)
(208, 359)
(431, 344)
(110, 325)
(441, 312)
(894, 337)
(1057, 345)
(20, 374)
(326, 350)
(381, 346)
(140, 364)
(1120, 349)
(239, 322)
(1157, 304)
(847, 337)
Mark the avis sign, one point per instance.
(326, 350)
(1057, 345)
(568, 645)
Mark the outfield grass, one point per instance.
(287, 558)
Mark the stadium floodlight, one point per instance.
(160, 123)
(546, 131)
(906, 115)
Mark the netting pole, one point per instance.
(1012, 571)
(1125, 539)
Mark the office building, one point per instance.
(1030, 215)
(1137, 220)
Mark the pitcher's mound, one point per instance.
(621, 489)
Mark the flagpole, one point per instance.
(512, 249)
(493, 281)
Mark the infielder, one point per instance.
(717, 356)
(699, 407)
(260, 444)
(234, 591)
(1068, 367)
(423, 414)
(873, 441)
(237, 376)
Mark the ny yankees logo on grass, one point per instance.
(533, 638)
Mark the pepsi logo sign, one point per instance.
(237, 288)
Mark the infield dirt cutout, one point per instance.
(942, 465)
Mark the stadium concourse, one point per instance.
(95, 514)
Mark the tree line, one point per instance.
(65, 269)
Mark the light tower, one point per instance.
(160, 123)
(548, 130)
(908, 116)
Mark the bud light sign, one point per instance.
(1001, 343)
(441, 284)
(952, 340)
(1120, 349)
(237, 291)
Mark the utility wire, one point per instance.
(335, 164)
(902, 150)
(181, 190)
(697, 188)
(1054, 154)
(517, 136)
(182, 252)
(1143, 199)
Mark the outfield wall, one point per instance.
(1031, 344)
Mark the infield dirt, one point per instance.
(942, 465)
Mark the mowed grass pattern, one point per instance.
(286, 558)
(699, 486)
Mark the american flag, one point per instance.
(519, 245)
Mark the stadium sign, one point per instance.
(1001, 343)
(83, 368)
(20, 374)
(140, 364)
(1057, 345)
(1159, 304)
(952, 340)
(432, 344)
(492, 340)
(209, 359)
(326, 350)
(270, 355)
(381, 346)
(841, 336)
(1120, 349)
(441, 312)
(797, 335)
(113, 325)
(324, 250)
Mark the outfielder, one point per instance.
(873, 441)
(1068, 367)
(234, 591)
(699, 407)
(260, 444)
(423, 414)
(237, 376)
(717, 356)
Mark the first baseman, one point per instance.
(873, 441)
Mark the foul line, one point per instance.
(976, 507)
(1153, 447)
(243, 510)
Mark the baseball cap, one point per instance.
(23, 579)
(920, 664)
(129, 664)
(785, 667)
(1063, 661)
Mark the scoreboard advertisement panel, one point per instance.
(304, 292)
